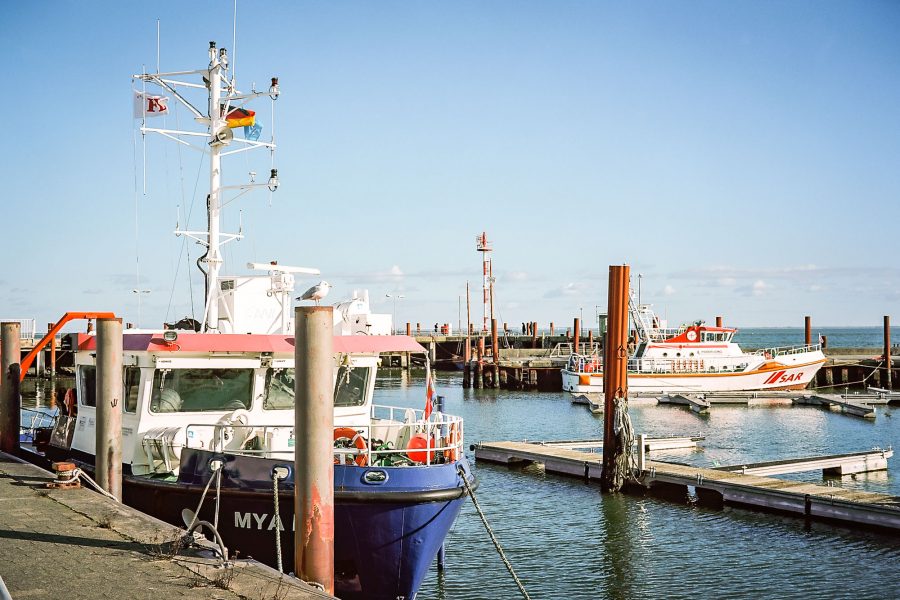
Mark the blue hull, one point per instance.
(387, 534)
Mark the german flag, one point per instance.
(241, 117)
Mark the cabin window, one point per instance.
(279, 389)
(132, 387)
(199, 390)
(88, 395)
(350, 388)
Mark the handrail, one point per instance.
(69, 316)
(446, 434)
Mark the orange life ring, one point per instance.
(348, 433)
(452, 453)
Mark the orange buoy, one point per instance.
(417, 443)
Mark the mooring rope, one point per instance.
(79, 474)
(277, 523)
(506, 562)
(624, 460)
(217, 472)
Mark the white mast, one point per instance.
(218, 136)
(216, 123)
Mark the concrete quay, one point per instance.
(77, 544)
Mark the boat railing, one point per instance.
(661, 335)
(401, 438)
(33, 419)
(566, 349)
(692, 364)
(787, 350)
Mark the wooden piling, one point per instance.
(590, 347)
(110, 386)
(408, 328)
(534, 336)
(887, 352)
(313, 453)
(10, 375)
(479, 364)
(495, 354)
(615, 373)
(718, 321)
(52, 352)
(576, 328)
(807, 327)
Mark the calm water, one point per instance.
(566, 540)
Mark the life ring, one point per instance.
(354, 438)
(452, 453)
(692, 336)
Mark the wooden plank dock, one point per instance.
(731, 485)
(77, 544)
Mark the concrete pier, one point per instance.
(77, 544)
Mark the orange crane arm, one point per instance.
(69, 316)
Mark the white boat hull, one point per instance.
(793, 375)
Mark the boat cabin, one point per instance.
(222, 392)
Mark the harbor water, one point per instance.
(566, 540)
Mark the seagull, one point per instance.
(316, 292)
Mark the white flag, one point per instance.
(146, 105)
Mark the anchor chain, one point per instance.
(506, 562)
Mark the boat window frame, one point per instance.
(238, 399)
(339, 397)
(131, 393)
(87, 397)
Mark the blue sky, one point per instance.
(742, 156)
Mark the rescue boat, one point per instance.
(696, 358)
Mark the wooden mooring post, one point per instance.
(10, 376)
(313, 454)
(807, 328)
(479, 364)
(109, 406)
(576, 335)
(52, 352)
(888, 364)
(615, 375)
(495, 355)
(718, 321)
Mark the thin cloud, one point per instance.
(568, 290)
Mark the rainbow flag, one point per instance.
(241, 117)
